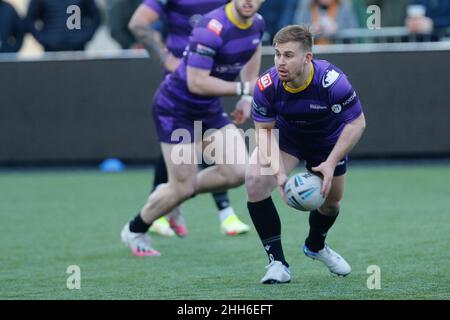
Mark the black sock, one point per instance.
(267, 223)
(221, 199)
(160, 173)
(137, 225)
(319, 224)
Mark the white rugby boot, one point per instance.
(139, 243)
(333, 260)
(277, 272)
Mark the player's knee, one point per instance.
(181, 190)
(256, 187)
(330, 208)
(184, 191)
(236, 176)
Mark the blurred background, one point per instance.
(342, 21)
(79, 96)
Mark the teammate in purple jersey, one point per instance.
(320, 119)
(181, 16)
(225, 44)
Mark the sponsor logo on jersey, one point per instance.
(264, 82)
(330, 78)
(204, 50)
(215, 26)
(350, 99)
(235, 67)
(317, 107)
(262, 111)
(336, 108)
(255, 41)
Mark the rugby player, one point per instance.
(224, 44)
(319, 119)
(180, 17)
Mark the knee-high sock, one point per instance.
(319, 225)
(267, 223)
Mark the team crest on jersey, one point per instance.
(330, 77)
(264, 82)
(215, 26)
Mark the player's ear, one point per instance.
(308, 57)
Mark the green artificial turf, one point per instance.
(393, 217)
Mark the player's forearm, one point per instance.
(150, 41)
(212, 86)
(250, 72)
(348, 139)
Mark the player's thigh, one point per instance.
(256, 168)
(226, 145)
(259, 180)
(181, 164)
(290, 162)
(229, 150)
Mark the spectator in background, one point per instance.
(429, 17)
(11, 28)
(47, 21)
(119, 13)
(393, 13)
(326, 17)
(277, 15)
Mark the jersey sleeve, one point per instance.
(157, 5)
(262, 106)
(344, 101)
(204, 43)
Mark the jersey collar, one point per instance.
(304, 86)
(232, 18)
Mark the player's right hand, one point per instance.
(327, 171)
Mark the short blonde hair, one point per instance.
(295, 33)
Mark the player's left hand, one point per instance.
(242, 111)
(327, 171)
(281, 182)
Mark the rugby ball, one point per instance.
(303, 191)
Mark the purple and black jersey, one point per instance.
(181, 17)
(310, 119)
(220, 45)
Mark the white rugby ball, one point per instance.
(303, 191)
